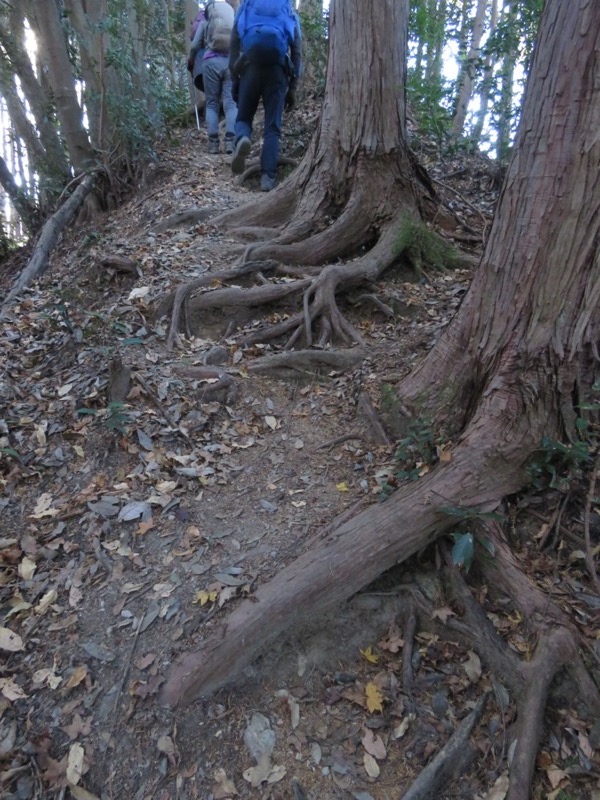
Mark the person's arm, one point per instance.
(197, 41)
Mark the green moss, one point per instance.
(424, 248)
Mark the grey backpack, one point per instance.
(220, 24)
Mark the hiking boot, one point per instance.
(213, 145)
(229, 145)
(266, 183)
(242, 148)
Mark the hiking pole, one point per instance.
(193, 99)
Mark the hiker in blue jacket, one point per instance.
(213, 39)
(265, 60)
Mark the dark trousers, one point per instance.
(271, 84)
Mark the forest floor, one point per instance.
(131, 528)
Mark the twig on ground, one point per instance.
(338, 440)
(589, 555)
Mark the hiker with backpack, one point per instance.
(265, 60)
(214, 37)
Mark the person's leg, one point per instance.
(212, 85)
(274, 89)
(250, 90)
(229, 107)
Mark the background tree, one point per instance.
(518, 362)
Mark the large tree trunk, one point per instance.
(513, 365)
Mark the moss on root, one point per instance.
(425, 248)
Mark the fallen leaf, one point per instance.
(556, 776)
(11, 690)
(373, 744)
(342, 487)
(472, 667)
(224, 786)
(27, 568)
(371, 766)
(443, 614)
(393, 642)
(258, 774)
(374, 697)
(401, 729)
(75, 763)
(166, 745)
(500, 789)
(79, 793)
(9, 640)
(76, 677)
(43, 507)
(277, 774)
(203, 597)
(271, 422)
(369, 655)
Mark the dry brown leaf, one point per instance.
(443, 614)
(75, 763)
(224, 787)
(556, 776)
(374, 744)
(472, 667)
(500, 789)
(371, 766)
(10, 641)
(79, 793)
(76, 677)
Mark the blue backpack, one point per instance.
(266, 29)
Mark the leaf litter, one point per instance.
(131, 525)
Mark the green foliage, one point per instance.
(557, 465)
(423, 247)
(118, 417)
(414, 455)
(315, 46)
(466, 546)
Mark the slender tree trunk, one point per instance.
(53, 163)
(52, 43)
(87, 28)
(486, 83)
(468, 71)
(25, 208)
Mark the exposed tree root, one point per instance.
(366, 407)
(38, 263)
(220, 381)
(254, 168)
(451, 761)
(191, 216)
(302, 362)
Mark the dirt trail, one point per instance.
(130, 529)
